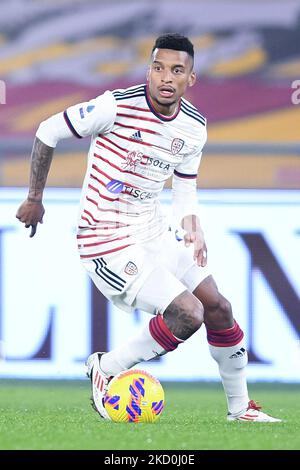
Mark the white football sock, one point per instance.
(232, 361)
(154, 340)
(141, 347)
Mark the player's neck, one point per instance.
(165, 110)
(169, 111)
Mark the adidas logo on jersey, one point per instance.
(241, 352)
(137, 136)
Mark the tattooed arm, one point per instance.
(32, 210)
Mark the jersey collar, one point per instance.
(160, 116)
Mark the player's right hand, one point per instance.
(31, 213)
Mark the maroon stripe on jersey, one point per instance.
(108, 162)
(97, 179)
(225, 338)
(103, 184)
(85, 227)
(161, 333)
(104, 210)
(110, 149)
(91, 200)
(106, 227)
(140, 143)
(138, 128)
(84, 218)
(91, 215)
(110, 210)
(96, 255)
(96, 235)
(101, 227)
(102, 172)
(79, 237)
(132, 116)
(102, 243)
(117, 199)
(133, 107)
(182, 175)
(111, 142)
(102, 195)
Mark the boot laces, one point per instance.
(253, 406)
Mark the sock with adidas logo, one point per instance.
(228, 349)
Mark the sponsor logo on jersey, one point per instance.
(115, 186)
(150, 161)
(131, 268)
(176, 146)
(132, 159)
(138, 193)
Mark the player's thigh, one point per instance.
(174, 255)
(207, 292)
(158, 291)
(120, 276)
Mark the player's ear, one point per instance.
(148, 73)
(192, 79)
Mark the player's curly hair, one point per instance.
(174, 41)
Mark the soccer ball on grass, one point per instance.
(134, 396)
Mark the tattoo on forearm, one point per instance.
(179, 319)
(41, 159)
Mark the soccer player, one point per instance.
(140, 137)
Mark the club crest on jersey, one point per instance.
(132, 159)
(176, 145)
(131, 268)
(115, 186)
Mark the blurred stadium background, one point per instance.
(56, 53)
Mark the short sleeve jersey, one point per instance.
(133, 151)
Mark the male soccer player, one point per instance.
(140, 137)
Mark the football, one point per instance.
(134, 396)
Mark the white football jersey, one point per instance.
(133, 151)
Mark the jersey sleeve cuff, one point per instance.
(70, 126)
(183, 175)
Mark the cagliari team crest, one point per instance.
(176, 145)
(131, 268)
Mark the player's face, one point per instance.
(169, 75)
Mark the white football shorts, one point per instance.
(147, 276)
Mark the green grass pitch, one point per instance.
(57, 415)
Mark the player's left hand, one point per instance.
(200, 250)
(194, 234)
(31, 213)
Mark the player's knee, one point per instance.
(219, 313)
(184, 315)
(225, 308)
